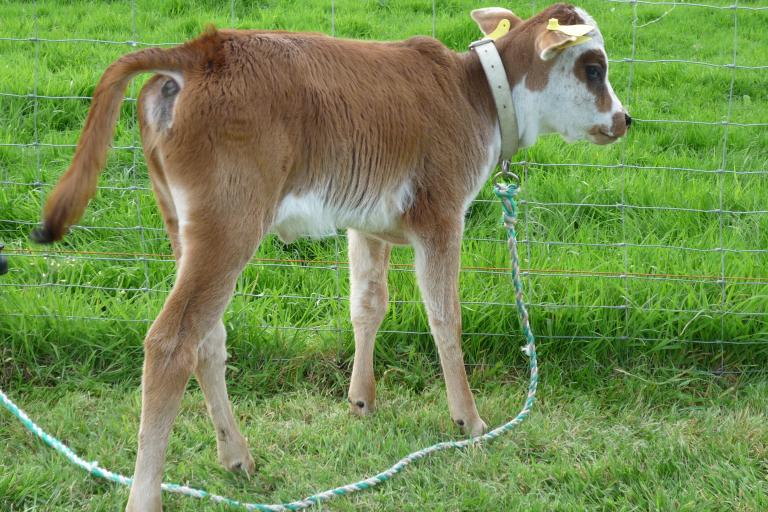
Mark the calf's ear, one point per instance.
(490, 17)
(555, 37)
(550, 43)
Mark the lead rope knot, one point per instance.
(506, 191)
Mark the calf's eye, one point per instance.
(594, 72)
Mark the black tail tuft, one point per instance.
(42, 235)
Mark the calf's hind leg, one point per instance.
(212, 258)
(232, 447)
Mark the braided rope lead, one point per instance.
(506, 194)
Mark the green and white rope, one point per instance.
(506, 193)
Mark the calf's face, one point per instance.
(559, 81)
(578, 101)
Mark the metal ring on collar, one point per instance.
(506, 176)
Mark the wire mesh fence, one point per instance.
(656, 244)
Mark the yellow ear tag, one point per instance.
(577, 32)
(501, 30)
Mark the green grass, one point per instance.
(72, 318)
(687, 443)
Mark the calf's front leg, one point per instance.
(368, 259)
(437, 271)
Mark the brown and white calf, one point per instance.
(248, 131)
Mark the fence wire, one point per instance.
(630, 301)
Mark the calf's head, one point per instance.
(559, 79)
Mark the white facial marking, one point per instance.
(566, 105)
(310, 215)
(588, 20)
(527, 107)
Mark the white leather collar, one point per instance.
(502, 95)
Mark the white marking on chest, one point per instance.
(311, 215)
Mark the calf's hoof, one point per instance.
(474, 428)
(235, 456)
(361, 407)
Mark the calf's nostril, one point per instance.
(627, 120)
